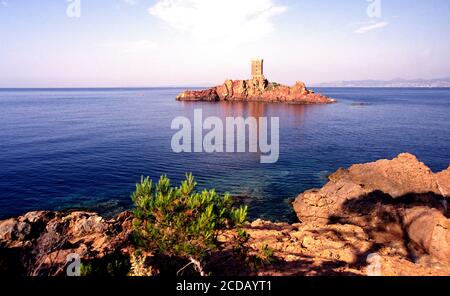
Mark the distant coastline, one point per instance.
(435, 83)
(132, 88)
(394, 83)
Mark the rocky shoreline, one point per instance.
(389, 217)
(256, 91)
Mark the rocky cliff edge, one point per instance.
(389, 217)
(256, 90)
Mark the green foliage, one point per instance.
(239, 216)
(276, 84)
(267, 257)
(259, 257)
(112, 265)
(86, 269)
(240, 248)
(178, 221)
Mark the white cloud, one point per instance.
(142, 46)
(371, 27)
(219, 20)
(4, 3)
(131, 2)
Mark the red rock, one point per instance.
(39, 242)
(430, 229)
(393, 208)
(391, 199)
(443, 182)
(299, 249)
(204, 95)
(256, 90)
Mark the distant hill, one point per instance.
(443, 82)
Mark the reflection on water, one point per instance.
(87, 148)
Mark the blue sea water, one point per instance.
(86, 148)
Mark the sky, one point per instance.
(147, 43)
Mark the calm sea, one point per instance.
(86, 148)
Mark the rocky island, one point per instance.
(388, 217)
(257, 89)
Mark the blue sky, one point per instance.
(203, 42)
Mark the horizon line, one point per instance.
(209, 85)
(190, 87)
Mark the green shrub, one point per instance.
(114, 264)
(268, 255)
(275, 85)
(178, 221)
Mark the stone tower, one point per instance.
(258, 70)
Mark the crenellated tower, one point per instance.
(258, 70)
